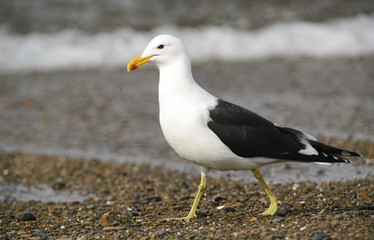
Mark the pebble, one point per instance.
(114, 228)
(339, 217)
(12, 233)
(38, 232)
(281, 213)
(106, 219)
(321, 236)
(134, 214)
(356, 212)
(229, 209)
(277, 220)
(90, 206)
(147, 200)
(21, 233)
(159, 233)
(219, 198)
(185, 198)
(26, 216)
(178, 207)
(201, 213)
(59, 184)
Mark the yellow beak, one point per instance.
(137, 62)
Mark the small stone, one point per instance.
(21, 233)
(147, 200)
(185, 198)
(237, 205)
(38, 232)
(116, 228)
(59, 184)
(229, 209)
(134, 214)
(25, 236)
(26, 216)
(321, 236)
(159, 233)
(221, 207)
(282, 213)
(201, 213)
(12, 233)
(356, 212)
(334, 223)
(106, 219)
(178, 207)
(277, 220)
(219, 198)
(90, 206)
(339, 217)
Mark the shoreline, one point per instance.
(283, 173)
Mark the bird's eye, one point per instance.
(161, 46)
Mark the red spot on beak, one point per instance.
(134, 67)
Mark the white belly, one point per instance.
(187, 133)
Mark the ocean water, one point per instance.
(53, 35)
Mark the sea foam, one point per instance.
(74, 49)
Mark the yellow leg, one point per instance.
(273, 200)
(200, 192)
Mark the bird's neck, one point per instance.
(176, 79)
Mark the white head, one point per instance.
(161, 50)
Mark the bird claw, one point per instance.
(270, 211)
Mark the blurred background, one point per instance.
(64, 89)
(69, 34)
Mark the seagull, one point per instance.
(216, 134)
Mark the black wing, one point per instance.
(248, 135)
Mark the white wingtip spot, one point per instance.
(308, 150)
(347, 161)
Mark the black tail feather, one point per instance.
(329, 150)
(326, 154)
